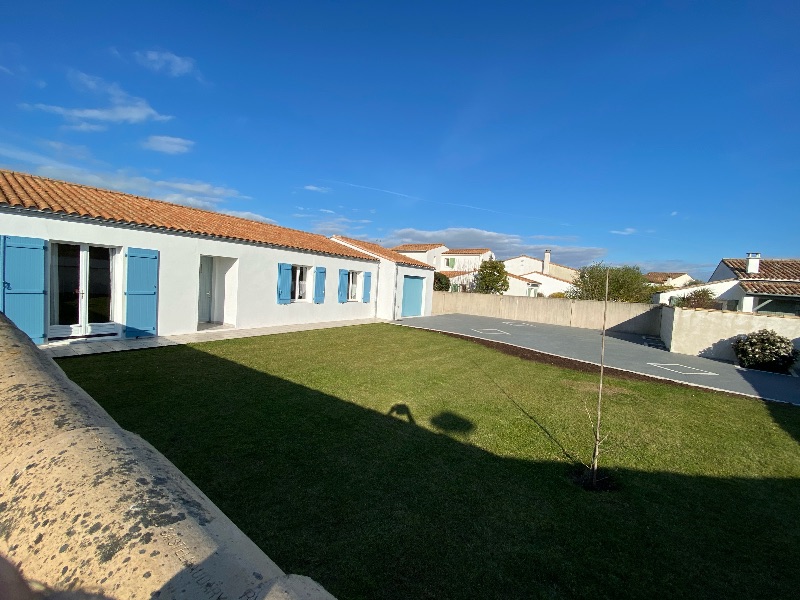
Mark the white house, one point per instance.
(461, 281)
(430, 254)
(674, 280)
(540, 277)
(78, 261)
(751, 284)
(404, 285)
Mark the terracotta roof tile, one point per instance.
(467, 251)
(451, 274)
(768, 268)
(383, 252)
(34, 193)
(416, 247)
(777, 288)
(661, 277)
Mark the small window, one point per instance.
(299, 279)
(451, 262)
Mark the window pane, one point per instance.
(65, 284)
(99, 285)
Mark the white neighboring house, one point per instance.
(430, 254)
(751, 284)
(78, 261)
(404, 285)
(461, 281)
(540, 277)
(463, 259)
(674, 280)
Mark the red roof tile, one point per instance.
(768, 268)
(467, 251)
(659, 277)
(776, 288)
(34, 193)
(383, 252)
(416, 247)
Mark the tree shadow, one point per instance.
(452, 423)
(374, 506)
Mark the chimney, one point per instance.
(753, 261)
(546, 264)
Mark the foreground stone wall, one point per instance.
(87, 505)
(711, 333)
(624, 317)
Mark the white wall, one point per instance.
(249, 273)
(549, 285)
(722, 290)
(463, 262)
(523, 264)
(519, 288)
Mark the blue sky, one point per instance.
(662, 134)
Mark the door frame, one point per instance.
(83, 328)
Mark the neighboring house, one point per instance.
(524, 264)
(430, 254)
(404, 285)
(461, 281)
(541, 277)
(79, 261)
(463, 259)
(674, 280)
(752, 284)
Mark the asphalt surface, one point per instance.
(623, 351)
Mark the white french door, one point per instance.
(81, 300)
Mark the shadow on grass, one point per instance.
(374, 506)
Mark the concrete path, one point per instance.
(628, 352)
(98, 345)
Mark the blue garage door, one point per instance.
(22, 276)
(412, 296)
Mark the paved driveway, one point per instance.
(623, 351)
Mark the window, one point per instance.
(299, 278)
(292, 283)
(353, 282)
(352, 285)
(451, 262)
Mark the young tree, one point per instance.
(441, 282)
(625, 284)
(491, 278)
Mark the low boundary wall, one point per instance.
(86, 505)
(710, 333)
(624, 317)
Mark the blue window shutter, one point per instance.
(319, 285)
(141, 293)
(343, 285)
(22, 297)
(367, 286)
(284, 283)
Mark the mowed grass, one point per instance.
(387, 462)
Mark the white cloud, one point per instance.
(339, 226)
(67, 150)
(167, 144)
(674, 213)
(325, 210)
(83, 126)
(316, 188)
(626, 231)
(504, 245)
(167, 62)
(6, 70)
(123, 108)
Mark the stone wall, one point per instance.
(624, 317)
(87, 505)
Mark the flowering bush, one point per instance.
(765, 350)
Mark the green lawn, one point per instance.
(387, 462)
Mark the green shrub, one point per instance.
(765, 350)
(441, 282)
(702, 298)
